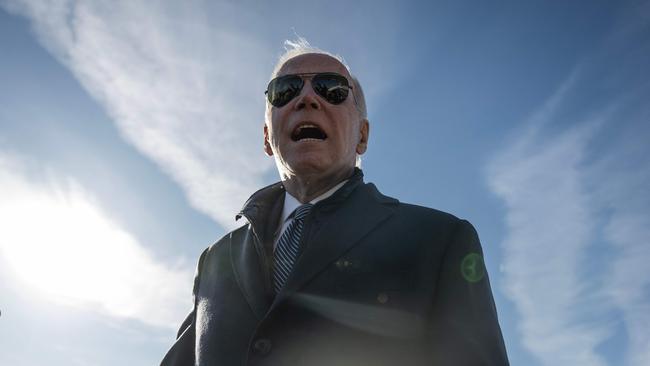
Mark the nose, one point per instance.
(307, 98)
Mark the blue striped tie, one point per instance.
(288, 247)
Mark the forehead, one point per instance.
(313, 62)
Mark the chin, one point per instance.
(308, 167)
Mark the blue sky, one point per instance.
(131, 134)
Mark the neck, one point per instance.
(307, 187)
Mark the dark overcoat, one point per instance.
(378, 282)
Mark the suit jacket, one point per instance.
(378, 282)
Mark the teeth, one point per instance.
(306, 126)
(298, 131)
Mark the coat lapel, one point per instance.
(342, 228)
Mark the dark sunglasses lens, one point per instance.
(281, 90)
(333, 87)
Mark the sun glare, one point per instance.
(58, 241)
(60, 245)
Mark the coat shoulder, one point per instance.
(410, 209)
(417, 214)
(216, 246)
(427, 213)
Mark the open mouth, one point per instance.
(308, 132)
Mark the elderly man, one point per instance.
(327, 270)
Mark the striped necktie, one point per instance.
(288, 247)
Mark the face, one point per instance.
(309, 135)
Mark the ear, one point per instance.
(364, 134)
(267, 143)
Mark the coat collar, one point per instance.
(260, 203)
(337, 223)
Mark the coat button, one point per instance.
(382, 297)
(262, 346)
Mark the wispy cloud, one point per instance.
(171, 78)
(550, 228)
(625, 194)
(58, 241)
(562, 202)
(570, 194)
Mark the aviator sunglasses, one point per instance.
(332, 87)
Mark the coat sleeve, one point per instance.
(464, 326)
(182, 352)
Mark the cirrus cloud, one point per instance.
(172, 82)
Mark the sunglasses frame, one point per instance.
(311, 76)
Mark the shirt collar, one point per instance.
(291, 203)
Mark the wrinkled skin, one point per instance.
(310, 167)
